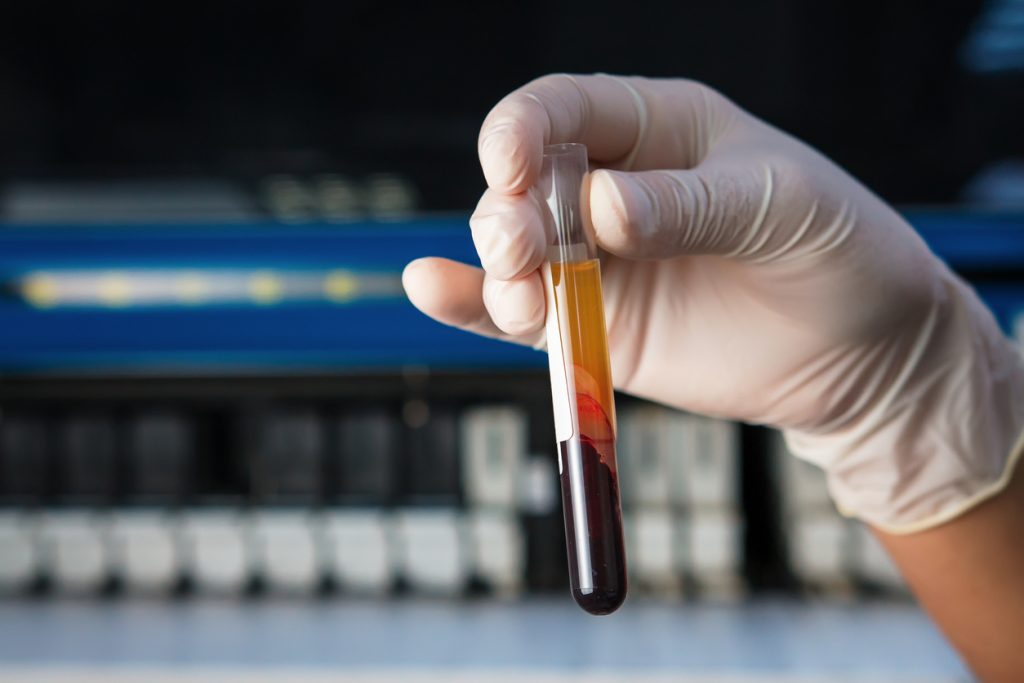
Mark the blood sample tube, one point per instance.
(581, 388)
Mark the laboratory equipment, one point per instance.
(581, 388)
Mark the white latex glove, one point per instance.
(747, 276)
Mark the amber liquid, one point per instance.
(589, 478)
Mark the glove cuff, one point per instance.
(944, 437)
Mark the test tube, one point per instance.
(581, 388)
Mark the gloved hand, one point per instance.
(746, 276)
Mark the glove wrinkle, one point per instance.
(747, 276)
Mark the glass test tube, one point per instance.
(581, 388)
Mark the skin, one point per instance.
(749, 278)
(969, 575)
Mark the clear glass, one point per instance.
(581, 388)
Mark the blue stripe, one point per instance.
(318, 335)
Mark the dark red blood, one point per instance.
(604, 532)
(594, 424)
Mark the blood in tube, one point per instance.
(595, 542)
(581, 384)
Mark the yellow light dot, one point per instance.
(340, 286)
(40, 291)
(192, 288)
(265, 288)
(114, 290)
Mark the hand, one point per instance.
(747, 276)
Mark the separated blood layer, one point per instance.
(590, 488)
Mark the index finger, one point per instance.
(598, 111)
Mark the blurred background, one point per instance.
(231, 450)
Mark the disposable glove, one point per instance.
(746, 276)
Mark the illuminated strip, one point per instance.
(192, 288)
(341, 286)
(265, 287)
(134, 288)
(39, 290)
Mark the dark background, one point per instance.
(242, 90)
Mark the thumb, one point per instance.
(715, 208)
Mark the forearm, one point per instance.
(969, 575)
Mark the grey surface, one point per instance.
(861, 642)
(126, 200)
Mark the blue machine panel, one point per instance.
(228, 297)
(271, 297)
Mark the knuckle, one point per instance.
(552, 82)
(561, 102)
(506, 241)
(794, 177)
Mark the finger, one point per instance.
(634, 123)
(598, 111)
(452, 293)
(719, 207)
(509, 234)
(516, 306)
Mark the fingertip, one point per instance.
(509, 159)
(509, 235)
(423, 282)
(410, 272)
(516, 306)
(449, 292)
(614, 210)
(511, 143)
